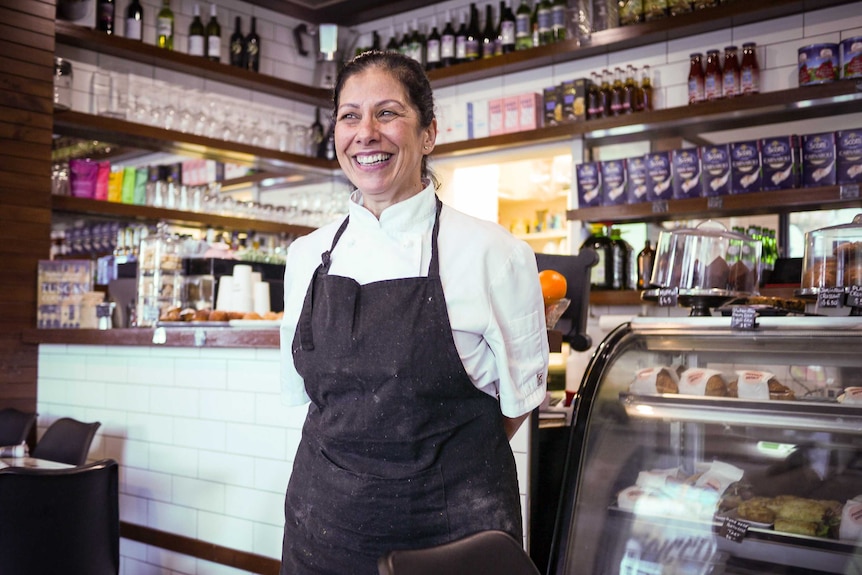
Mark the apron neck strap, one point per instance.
(434, 265)
(326, 257)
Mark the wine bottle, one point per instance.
(165, 26)
(105, 16)
(523, 38)
(237, 45)
(196, 34)
(471, 48)
(404, 43)
(543, 20)
(392, 45)
(432, 47)
(489, 34)
(461, 41)
(507, 29)
(559, 24)
(375, 40)
(316, 133)
(326, 149)
(416, 44)
(252, 48)
(213, 32)
(645, 260)
(447, 42)
(134, 21)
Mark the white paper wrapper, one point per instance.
(655, 478)
(644, 382)
(693, 381)
(851, 520)
(753, 384)
(851, 395)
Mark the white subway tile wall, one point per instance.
(205, 446)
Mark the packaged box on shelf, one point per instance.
(477, 120)
(510, 114)
(62, 285)
(552, 105)
(495, 117)
(659, 176)
(636, 180)
(685, 166)
(745, 167)
(848, 149)
(589, 179)
(715, 167)
(529, 111)
(444, 123)
(778, 163)
(613, 182)
(818, 159)
(574, 95)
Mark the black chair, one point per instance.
(66, 440)
(60, 520)
(483, 553)
(15, 426)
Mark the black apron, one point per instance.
(399, 449)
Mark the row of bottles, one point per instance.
(727, 79)
(474, 39)
(204, 40)
(635, 11)
(611, 95)
(618, 267)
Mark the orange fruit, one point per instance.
(553, 286)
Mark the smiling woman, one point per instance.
(417, 334)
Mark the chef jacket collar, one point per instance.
(399, 217)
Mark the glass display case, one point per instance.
(702, 446)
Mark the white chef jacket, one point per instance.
(490, 282)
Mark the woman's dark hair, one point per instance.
(407, 71)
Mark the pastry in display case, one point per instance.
(832, 266)
(704, 267)
(701, 448)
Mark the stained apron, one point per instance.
(399, 449)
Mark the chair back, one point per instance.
(483, 553)
(60, 520)
(15, 426)
(66, 440)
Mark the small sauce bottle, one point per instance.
(630, 91)
(594, 97)
(606, 93)
(618, 93)
(695, 78)
(749, 71)
(713, 79)
(730, 86)
(645, 101)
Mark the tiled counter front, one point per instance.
(205, 445)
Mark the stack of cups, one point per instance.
(242, 298)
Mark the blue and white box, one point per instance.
(779, 163)
(818, 159)
(745, 167)
(659, 176)
(614, 182)
(685, 165)
(589, 177)
(636, 181)
(715, 167)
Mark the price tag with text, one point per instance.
(830, 297)
(668, 296)
(854, 296)
(734, 529)
(743, 317)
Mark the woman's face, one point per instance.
(378, 140)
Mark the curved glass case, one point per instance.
(698, 448)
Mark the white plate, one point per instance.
(255, 323)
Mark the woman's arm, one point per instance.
(512, 424)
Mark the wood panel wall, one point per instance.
(26, 106)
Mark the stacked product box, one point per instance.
(636, 180)
(745, 167)
(715, 166)
(685, 168)
(613, 182)
(780, 165)
(508, 115)
(565, 102)
(589, 181)
(659, 176)
(848, 163)
(818, 159)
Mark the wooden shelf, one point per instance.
(778, 201)
(689, 122)
(80, 37)
(627, 37)
(86, 206)
(134, 135)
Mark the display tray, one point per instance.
(754, 531)
(193, 324)
(255, 323)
